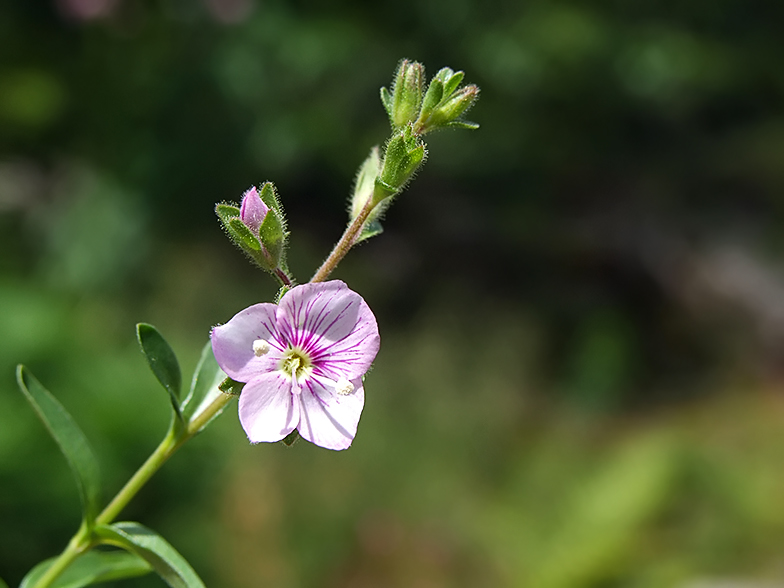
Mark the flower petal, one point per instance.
(333, 324)
(268, 410)
(232, 343)
(329, 419)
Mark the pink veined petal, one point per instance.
(232, 343)
(268, 410)
(253, 210)
(329, 419)
(333, 324)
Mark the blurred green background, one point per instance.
(581, 304)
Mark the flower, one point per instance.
(302, 363)
(253, 210)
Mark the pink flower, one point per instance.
(302, 363)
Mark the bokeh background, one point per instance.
(581, 303)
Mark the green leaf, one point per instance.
(70, 439)
(454, 81)
(386, 100)
(155, 550)
(226, 211)
(462, 124)
(204, 386)
(370, 229)
(3, 584)
(229, 386)
(273, 236)
(270, 198)
(162, 361)
(242, 235)
(291, 438)
(432, 98)
(91, 568)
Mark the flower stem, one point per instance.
(83, 540)
(347, 241)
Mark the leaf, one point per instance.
(204, 386)
(370, 229)
(69, 438)
(3, 584)
(163, 362)
(386, 100)
(91, 568)
(270, 198)
(226, 211)
(229, 386)
(454, 81)
(242, 235)
(291, 438)
(462, 124)
(273, 235)
(155, 550)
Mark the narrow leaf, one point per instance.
(370, 229)
(242, 235)
(291, 438)
(69, 438)
(462, 124)
(91, 568)
(162, 361)
(3, 584)
(386, 100)
(270, 198)
(226, 211)
(273, 235)
(229, 386)
(453, 83)
(204, 386)
(155, 550)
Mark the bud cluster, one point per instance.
(413, 112)
(441, 106)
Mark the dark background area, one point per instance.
(581, 303)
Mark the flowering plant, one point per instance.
(297, 365)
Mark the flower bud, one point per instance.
(257, 226)
(405, 152)
(253, 210)
(403, 104)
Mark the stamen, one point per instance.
(294, 368)
(260, 347)
(344, 387)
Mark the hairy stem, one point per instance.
(347, 241)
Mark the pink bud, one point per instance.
(253, 210)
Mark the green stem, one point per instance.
(347, 241)
(82, 541)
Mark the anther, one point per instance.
(344, 387)
(260, 347)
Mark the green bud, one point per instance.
(365, 182)
(444, 102)
(403, 104)
(405, 152)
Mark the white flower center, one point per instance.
(296, 364)
(344, 387)
(260, 347)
